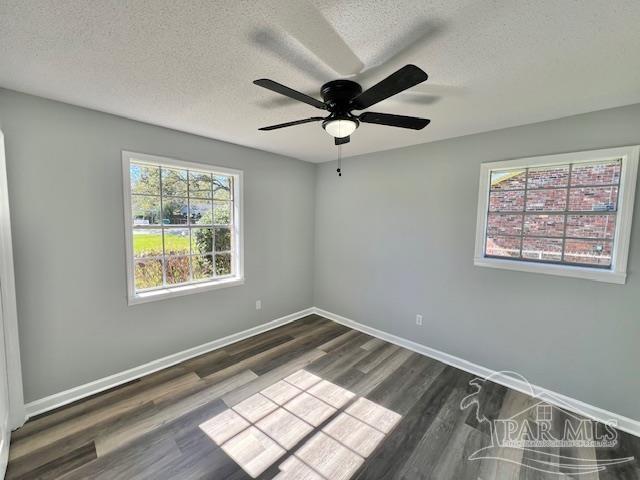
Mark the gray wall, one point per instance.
(395, 237)
(65, 187)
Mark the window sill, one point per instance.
(166, 293)
(586, 273)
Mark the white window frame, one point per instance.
(544, 413)
(626, 196)
(238, 246)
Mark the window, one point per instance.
(544, 413)
(566, 214)
(183, 227)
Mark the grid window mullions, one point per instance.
(566, 219)
(594, 185)
(589, 239)
(548, 244)
(174, 236)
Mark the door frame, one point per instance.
(17, 412)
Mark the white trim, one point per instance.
(626, 195)
(174, 162)
(586, 273)
(236, 279)
(171, 292)
(51, 402)
(10, 312)
(68, 396)
(626, 424)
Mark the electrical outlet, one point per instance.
(419, 320)
(258, 304)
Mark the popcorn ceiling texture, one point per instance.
(189, 65)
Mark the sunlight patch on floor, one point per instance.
(260, 430)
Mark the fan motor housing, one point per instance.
(338, 94)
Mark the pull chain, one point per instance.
(339, 160)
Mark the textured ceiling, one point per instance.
(189, 65)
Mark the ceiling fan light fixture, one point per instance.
(340, 97)
(340, 127)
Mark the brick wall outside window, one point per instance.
(559, 214)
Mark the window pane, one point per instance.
(222, 213)
(548, 177)
(596, 173)
(222, 187)
(563, 213)
(223, 264)
(543, 249)
(546, 200)
(590, 252)
(176, 241)
(148, 274)
(200, 185)
(503, 246)
(174, 182)
(202, 267)
(145, 210)
(200, 212)
(596, 199)
(544, 225)
(223, 239)
(504, 224)
(144, 179)
(591, 226)
(201, 240)
(147, 243)
(508, 180)
(174, 211)
(177, 270)
(506, 201)
(181, 226)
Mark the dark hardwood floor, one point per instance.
(312, 400)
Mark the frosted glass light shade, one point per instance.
(340, 128)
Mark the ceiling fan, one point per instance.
(341, 97)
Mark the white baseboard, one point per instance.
(621, 422)
(68, 396)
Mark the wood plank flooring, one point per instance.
(310, 400)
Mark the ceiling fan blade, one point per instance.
(289, 92)
(290, 124)
(343, 140)
(407, 77)
(401, 121)
(304, 22)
